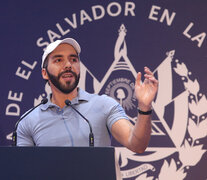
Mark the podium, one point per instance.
(58, 163)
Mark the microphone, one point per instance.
(14, 135)
(91, 136)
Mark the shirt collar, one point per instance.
(48, 104)
(82, 96)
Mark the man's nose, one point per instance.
(68, 64)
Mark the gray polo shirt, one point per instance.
(49, 125)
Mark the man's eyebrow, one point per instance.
(73, 55)
(56, 56)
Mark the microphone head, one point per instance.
(67, 102)
(44, 101)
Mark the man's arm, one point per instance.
(136, 138)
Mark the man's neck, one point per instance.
(59, 98)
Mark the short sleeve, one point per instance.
(115, 113)
(24, 138)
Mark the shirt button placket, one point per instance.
(59, 111)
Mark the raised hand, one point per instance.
(145, 91)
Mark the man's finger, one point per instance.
(138, 80)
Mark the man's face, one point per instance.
(63, 70)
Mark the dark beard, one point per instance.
(68, 88)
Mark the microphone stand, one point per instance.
(91, 136)
(14, 134)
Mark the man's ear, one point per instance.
(44, 74)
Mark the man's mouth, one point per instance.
(67, 76)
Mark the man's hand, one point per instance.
(145, 91)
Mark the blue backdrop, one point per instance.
(118, 38)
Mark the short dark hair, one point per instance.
(45, 63)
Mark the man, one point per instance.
(56, 124)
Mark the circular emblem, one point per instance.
(122, 89)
